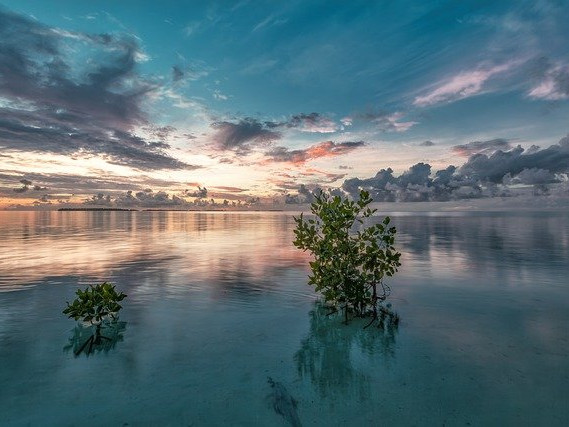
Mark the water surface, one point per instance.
(218, 302)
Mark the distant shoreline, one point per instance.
(163, 210)
(97, 209)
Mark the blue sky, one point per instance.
(263, 99)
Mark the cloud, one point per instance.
(99, 199)
(493, 168)
(239, 136)
(313, 122)
(481, 175)
(322, 149)
(192, 28)
(189, 72)
(460, 86)
(554, 84)
(417, 174)
(26, 184)
(486, 147)
(146, 198)
(306, 194)
(217, 94)
(177, 73)
(269, 21)
(531, 176)
(426, 144)
(22, 189)
(63, 104)
(230, 189)
(200, 193)
(78, 184)
(385, 122)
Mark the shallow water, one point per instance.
(218, 302)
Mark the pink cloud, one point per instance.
(460, 86)
(553, 86)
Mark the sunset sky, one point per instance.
(162, 103)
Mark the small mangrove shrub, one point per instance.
(351, 258)
(98, 306)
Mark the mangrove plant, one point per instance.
(97, 306)
(353, 254)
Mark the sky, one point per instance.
(184, 104)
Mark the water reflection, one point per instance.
(219, 301)
(336, 357)
(509, 245)
(89, 340)
(240, 252)
(47, 247)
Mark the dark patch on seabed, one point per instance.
(283, 403)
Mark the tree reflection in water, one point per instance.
(88, 341)
(333, 356)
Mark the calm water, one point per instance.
(218, 302)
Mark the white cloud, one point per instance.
(192, 28)
(219, 96)
(393, 124)
(269, 22)
(554, 86)
(460, 86)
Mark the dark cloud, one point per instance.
(384, 121)
(230, 189)
(312, 122)
(239, 136)
(444, 176)
(63, 105)
(177, 73)
(426, 144)
(22, 189)
(189, 72)
(531, 176)
(493, 168)
(99, 199)
(417, 174)
(160, 133)
(307, 193)
(344, 167)
(322, 149)
(485, 147)
(146, 198)
(481, 176)
(26, 184)
(304, 195)
(200, 193)
(78, 184)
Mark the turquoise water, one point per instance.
(218, 303)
